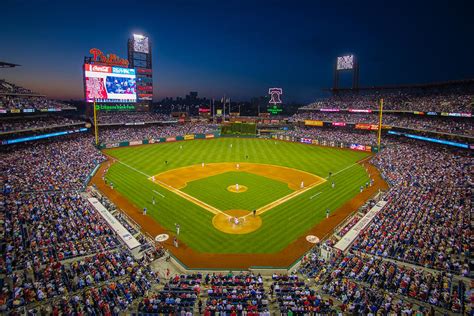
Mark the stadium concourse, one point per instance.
(60, 256)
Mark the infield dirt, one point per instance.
(178, 178)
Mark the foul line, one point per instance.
(312, 196)
(282, 200)
(190, 198)
(158, 193)
(348, 167)
(135, 169)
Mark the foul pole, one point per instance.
(380, 124)
(96, 128)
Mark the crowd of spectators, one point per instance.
(8, 87)
(55, 245)
(55, 279)
(427, 218)
(448, 99)
(130, 117)
(294, 297)
(236, 293)
(461, 126)
(433, 288)
(15, 97)
(8, 102)
(366, 284)
(178, 296)
(28, 123)
(49, 165)
(329, 135)
(115, 134)
(46, 227)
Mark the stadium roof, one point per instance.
(7, 65)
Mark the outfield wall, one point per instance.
(324, 142)
(159, 140)
(303, 140)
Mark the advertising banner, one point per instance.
(170, 139)
(360, 111)
(360, 147)
(188, 137)
(341, 124)
(136, 142)
(371, 127)
(306, 140)
(210, 136)
(313, 123)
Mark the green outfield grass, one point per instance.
(261, 191)
(281, 225)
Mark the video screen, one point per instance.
(110, 84)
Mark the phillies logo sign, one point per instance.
(110, 59)
(275, 94)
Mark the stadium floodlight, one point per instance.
(140, 43)
(345, 62)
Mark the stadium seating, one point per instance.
(60, 257)
(13, 97)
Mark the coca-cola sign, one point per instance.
(98, 68)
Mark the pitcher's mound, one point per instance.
(237, 222)
(233, 188)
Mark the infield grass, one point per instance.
(261, 190)
(281, 225)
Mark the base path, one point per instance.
(200, 260)
(179, 178)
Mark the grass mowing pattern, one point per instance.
(261, 191)
(281, 225)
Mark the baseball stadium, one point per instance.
(126, 201)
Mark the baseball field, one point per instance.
(234, 195)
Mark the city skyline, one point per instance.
(240, 48)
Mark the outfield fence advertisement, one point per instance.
(324, 142)
(159, 140)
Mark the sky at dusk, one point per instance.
(240, 48)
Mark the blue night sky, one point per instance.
(240, 48)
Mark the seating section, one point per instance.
(178, 296)
(14, 97)
(454, 97)
(242, 293)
